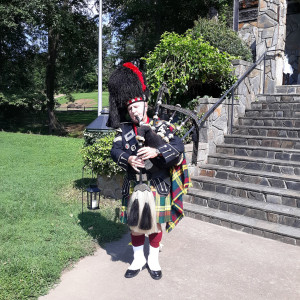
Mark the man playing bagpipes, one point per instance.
(156, 171)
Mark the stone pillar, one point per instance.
(249, 88)
(271, 36)
(211, 135)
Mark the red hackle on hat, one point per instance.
(137, 72)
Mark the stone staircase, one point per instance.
(252, 183)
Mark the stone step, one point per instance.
(262, 121)
(260, 151)
(255, 163)
(275, 213)
(284, 181)
(287, 89)
(272, 113)
(278, 97)
(249, 190)
(265, 229)
(269, 131)
(275, 105)
(275, 142)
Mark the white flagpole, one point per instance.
(100, 60)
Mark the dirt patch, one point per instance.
(59, 95)
(81, 102)
(75, 130)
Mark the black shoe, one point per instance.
(155, 274)
(133, 273)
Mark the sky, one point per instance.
(91, 5)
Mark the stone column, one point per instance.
(271, 36)
(249, 88)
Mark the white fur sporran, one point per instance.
(141, 213)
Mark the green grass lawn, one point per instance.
(91, 95)
(42, 228)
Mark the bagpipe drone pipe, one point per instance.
(160, 128)
(141, 213)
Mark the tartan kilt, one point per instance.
(162, 204)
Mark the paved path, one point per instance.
(199, 261)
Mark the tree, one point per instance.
(139, 24)
(59, 36)
(70, 32)
(16, 56)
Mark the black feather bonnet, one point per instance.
(126, 84)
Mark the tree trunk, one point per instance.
(53, 39)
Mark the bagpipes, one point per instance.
(141, 207)
(161, 127)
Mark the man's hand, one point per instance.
(147, 152)
(136, 162)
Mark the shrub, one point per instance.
(190, 66)
(96, 153)
(221, 37)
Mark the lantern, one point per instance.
(93, 197)
(92, 193)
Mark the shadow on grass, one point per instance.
(37, 122)
(109, 234)
(83, 183)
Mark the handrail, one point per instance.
(231, 89)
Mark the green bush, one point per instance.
(190, 66)
(221, 37)
(96, 154)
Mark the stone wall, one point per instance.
(268, 32)
(248, 32)
(271, 23)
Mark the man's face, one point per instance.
(138, 109)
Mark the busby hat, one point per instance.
(127, 84)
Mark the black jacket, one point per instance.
(125, 145)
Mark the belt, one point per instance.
(136, 176)
(163, 174)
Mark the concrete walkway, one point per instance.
(199, 261)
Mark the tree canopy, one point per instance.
(45, 46)
(139, 24)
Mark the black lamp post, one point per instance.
(99, 124)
